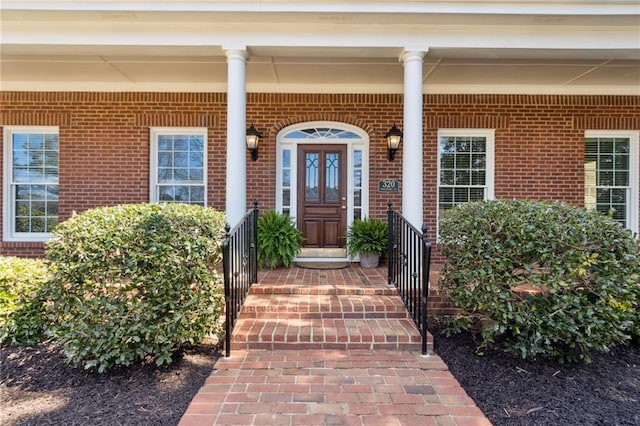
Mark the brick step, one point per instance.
(324, 289)
(307, 306)
(341, 334)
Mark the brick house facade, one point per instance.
(104, 141)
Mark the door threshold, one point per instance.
(298, 259)
(339, 254)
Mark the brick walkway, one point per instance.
(328, 347)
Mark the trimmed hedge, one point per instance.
(22, 318)
(541, 278)
(135, 282)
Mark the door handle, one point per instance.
(344, 207)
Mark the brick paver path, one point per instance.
(281, 372)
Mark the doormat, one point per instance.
(323, 265)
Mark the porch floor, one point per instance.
(328, 347)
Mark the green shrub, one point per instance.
(582, 267)
(22, 318)
(135, 282)
(279, 241)
(367, 236)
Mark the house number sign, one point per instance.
(389, 185)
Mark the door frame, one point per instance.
(355, 139)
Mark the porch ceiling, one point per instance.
(138, 50)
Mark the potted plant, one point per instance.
(278, 240)
(367, 238)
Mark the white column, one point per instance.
(412, 176)
(236, 195)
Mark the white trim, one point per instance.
(173, 87)
(154, 132)
(585, 7)
(352, 144)
(8, 197)
(634, 169)
(490, 135)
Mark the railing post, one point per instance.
(390, 243)
(426, 263)
(226, 270)
(254, 243)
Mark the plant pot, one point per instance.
(369, 260)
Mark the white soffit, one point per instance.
(322, 46)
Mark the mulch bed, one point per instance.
(511, 391)
(38, 388)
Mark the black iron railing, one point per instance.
(240, 268)
(409, 257)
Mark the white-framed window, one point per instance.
(465, 166)
(611, 175)
(178, 168)
(30, 190)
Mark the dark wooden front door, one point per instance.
(322, 194)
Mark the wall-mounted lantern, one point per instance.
(394, 136)
(253, 137)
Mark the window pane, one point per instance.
(165, 175)
(286, 197)
(357, 198)
(286, 178)
(286, 158)
(180, 159)
(197, 195)
(165, 159)
(196, 160)
(180, 175)
(357, 158)
(605, 178)
(447, 145)
(621, 146)
(463, 144)
(196, 175)
(460, 195)
(621, 162)
(621, 179)
(463, 177)
(447, 177)
(479, 144)
(180, 143)
(311, 181)
(479, 161)
(196, 144)
(606, 162)
(165, 143)
(52, 208)
(38, 224)
(447, 161)
(332, 177)
(357, 178)
(166, 193)
(463, 161)
(476, 194)
(478, 178)
(51, 223)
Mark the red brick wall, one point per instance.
(104, 140)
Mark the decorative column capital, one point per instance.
(413, 55)
(236, 54)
